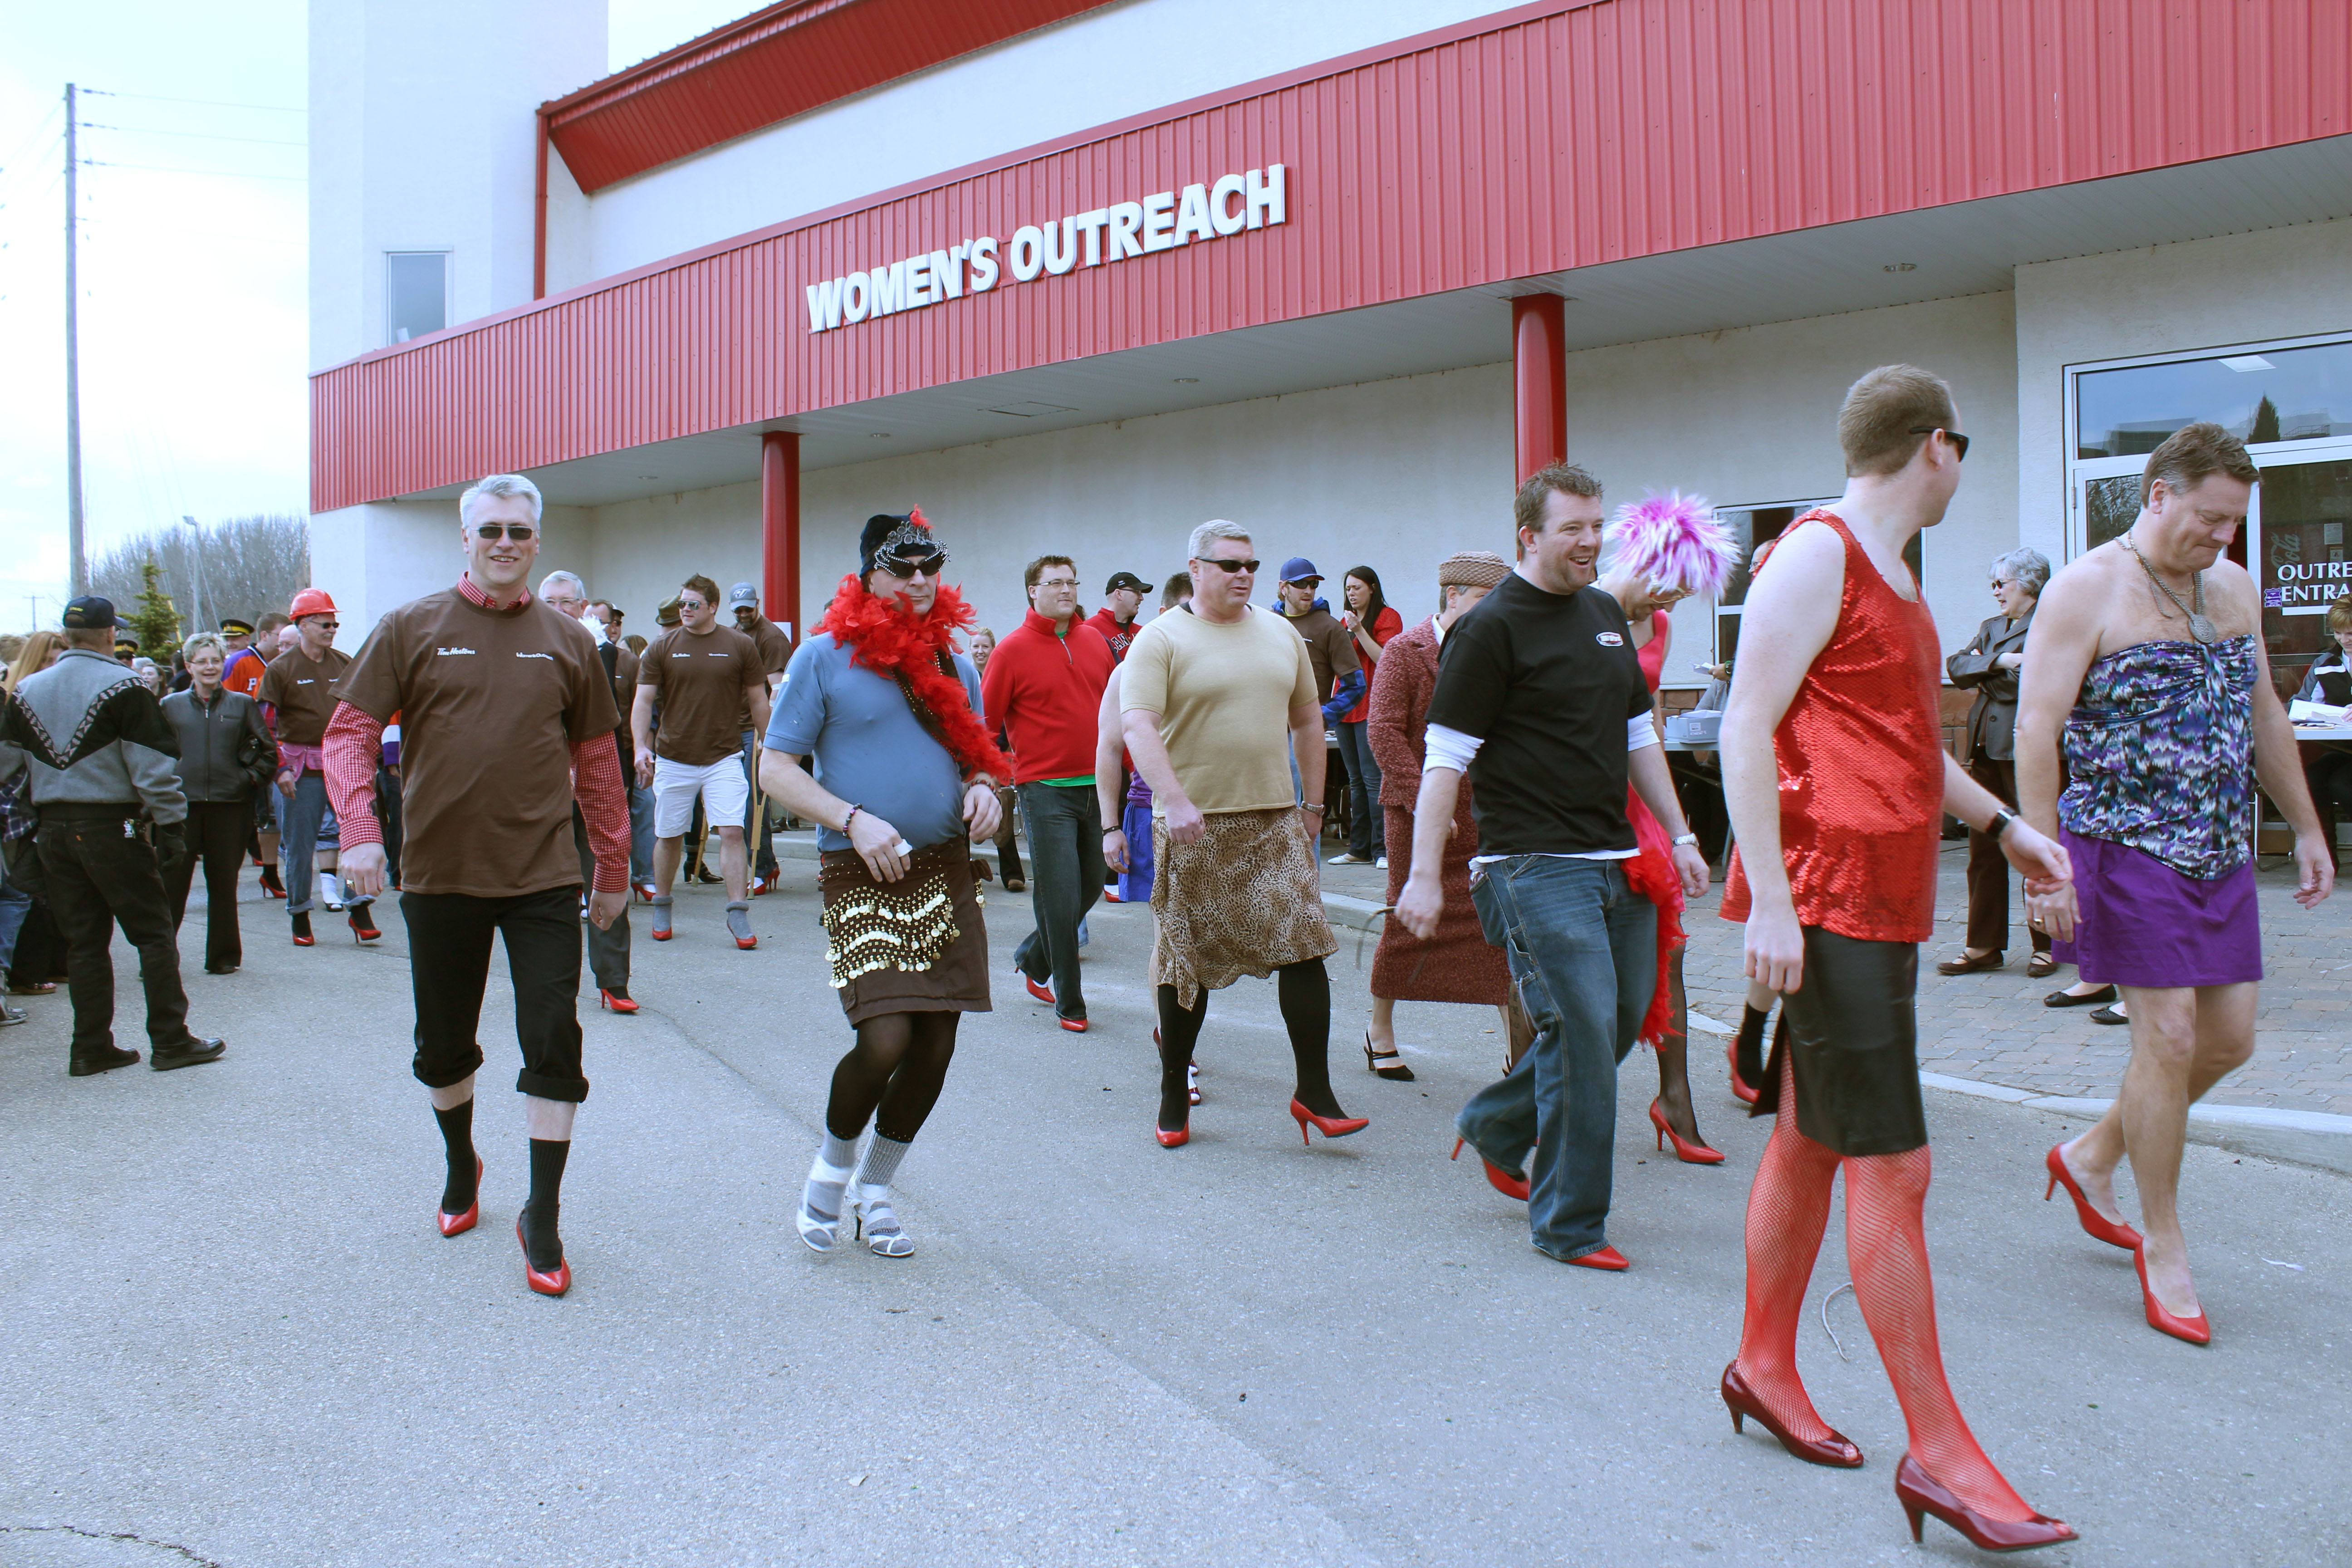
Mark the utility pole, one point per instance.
(78, 572)
(196, 549)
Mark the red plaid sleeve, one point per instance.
(604, 807)
(354, 745)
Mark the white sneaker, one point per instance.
(1346, 858)
(1382, 864)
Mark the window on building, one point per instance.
(1755, 525)
(416, 293)
(2291, 401)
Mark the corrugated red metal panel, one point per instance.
(769, 65)
(1550, 138)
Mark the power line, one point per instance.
(200, 135)
(18, 156)
(207, 102)
(204, 173)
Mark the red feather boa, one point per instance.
(883, 637)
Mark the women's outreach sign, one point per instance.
(1118, 233)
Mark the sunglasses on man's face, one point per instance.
(1231, 565)
(520, 533)
(690, 605)
(914, 566)
(1960, 442)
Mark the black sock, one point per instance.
(457, 1136)
(540, 1239)
(1179, 1031)
(303, 923)
(1751, 1044)
(1304, 990)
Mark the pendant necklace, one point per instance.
(2199, 628)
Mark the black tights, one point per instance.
(1304, 992)
(893, 1075)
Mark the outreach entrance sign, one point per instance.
(1164, 220)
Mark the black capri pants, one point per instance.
(1850, 1039)
(449, 963)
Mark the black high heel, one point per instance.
(1395, 1071)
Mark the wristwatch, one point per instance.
(1683, 839)
(2001, 817)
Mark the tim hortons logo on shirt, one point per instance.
(448, 650)
(1609, 639)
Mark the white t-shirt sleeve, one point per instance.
(1444, 748)
(1640, 733)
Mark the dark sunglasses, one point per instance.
(520, 533)
(909, 565)
(1236, 567)
(1960, 442)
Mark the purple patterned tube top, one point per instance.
(2160, 754)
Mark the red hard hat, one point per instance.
(310, 601)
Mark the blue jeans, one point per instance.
(14, 905)
(641, 835)
(1583, 950)
(762, 863)
(1066, 878)
(1367, 828)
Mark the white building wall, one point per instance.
(1396, 474)
(1096, 68)
(422, 136)
(372, 557)
(2203, 293)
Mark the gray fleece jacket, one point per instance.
(93, 735)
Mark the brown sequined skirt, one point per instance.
(915, 945)
(1244, 898)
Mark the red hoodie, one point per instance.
(1117, 636)
(1044, 690)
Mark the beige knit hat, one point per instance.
(1473, 569)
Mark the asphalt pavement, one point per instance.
(233, 1335)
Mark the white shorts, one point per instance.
(725, 795)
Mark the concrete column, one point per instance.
(1539, 382)
(780, 531)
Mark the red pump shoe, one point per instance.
(459, 1223)
(1329, 1126)
(1504, 1182)
(550, 1284)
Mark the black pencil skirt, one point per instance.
(1850, 1042)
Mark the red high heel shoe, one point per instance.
(1329, 1126)
(302, 937)
(1835, 1451)
(2197, 1330)
(1502, 1181)
(1742, 1088)
(2096, 1225)
(611, 1004)
(1688, 1154)
(1921, 1493)
(363, 926)
(459, 1223)
(1176, 1139)
(550, 1284)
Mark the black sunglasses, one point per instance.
(1960, 442)
(1233, 566)
(909, 565)
(520, 533)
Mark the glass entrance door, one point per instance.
(2305, 564)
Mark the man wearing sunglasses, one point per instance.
(505, 720)
(705, 676)
(298, 697)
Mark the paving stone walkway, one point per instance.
(1993, 1028)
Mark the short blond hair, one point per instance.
(1888, 413)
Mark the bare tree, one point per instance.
(241, 567)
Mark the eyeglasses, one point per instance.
(322, 621)
(1960, 442)
(520, 533)
(1057, 582)
(913, 565)
(1236, 567)
(691, 605)
(2001, 582)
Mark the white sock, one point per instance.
(829, 1172)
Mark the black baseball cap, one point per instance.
(89, 614)
(1126, 579)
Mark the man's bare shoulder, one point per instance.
(2082, 586)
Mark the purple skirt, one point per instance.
(2143, 923)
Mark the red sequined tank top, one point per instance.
(1861, 767)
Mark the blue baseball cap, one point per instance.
(1298, 568)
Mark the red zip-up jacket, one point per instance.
(1042, 691)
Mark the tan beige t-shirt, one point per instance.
(490, 704)
(1224, 694)
(702, 684)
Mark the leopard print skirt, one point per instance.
(1246, 898)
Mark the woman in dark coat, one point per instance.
(225, 752)
(1990, 666)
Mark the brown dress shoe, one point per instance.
(1981, 963)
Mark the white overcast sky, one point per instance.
(194, 289)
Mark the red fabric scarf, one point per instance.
(885, 637)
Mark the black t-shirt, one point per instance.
(1547, 683)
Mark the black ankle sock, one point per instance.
(1751, 1042)
(540, 1213)
(457, 1137)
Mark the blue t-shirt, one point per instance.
(868, 748)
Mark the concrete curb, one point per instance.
(2312, 1138)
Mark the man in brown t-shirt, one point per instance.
(506, 721)
(704, 676)
(775, 652)
(297, 694)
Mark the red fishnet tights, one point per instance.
(1886, 1247)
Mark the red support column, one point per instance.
(780, 531)
(1539, 381)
